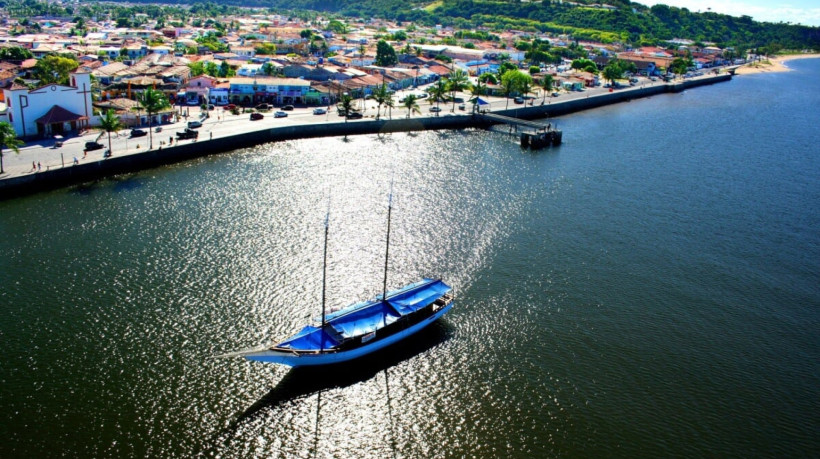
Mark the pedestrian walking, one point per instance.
(212, 135)
(33, 166)
(39, 167)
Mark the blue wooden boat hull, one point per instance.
(294, 359)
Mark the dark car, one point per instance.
(256, 116)
(518, 100)
(187, 134)
(90, 146)
(354, 116)
(264, 107)
(138, 133)
(287, 107)
(230, 107)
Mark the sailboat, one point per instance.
(361, 328)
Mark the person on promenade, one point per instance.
(76, 161)
(39, 167)
(33, 166)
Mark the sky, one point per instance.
(806, 12)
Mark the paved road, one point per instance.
(222, 123)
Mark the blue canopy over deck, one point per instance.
(362, 318)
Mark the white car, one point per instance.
(319, 111)
(280, 114)
(194, 124)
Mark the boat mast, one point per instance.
(387, 250)
(324, 284)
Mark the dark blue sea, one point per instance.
(650, 288)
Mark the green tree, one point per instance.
(411, 105)
(211, 68)
(585, 65)
(8, 139)
(438, 92)
(346, 105)
(680, 65)
(477, 91)
(197, 68)
(337, 26)
(152, 101)
(54, 69)
(457, 81)
(504, 68)
(381, 95)
(389, 104)
(385, 54)
(265, 48)
(225, 70)
(515, 81)
(15, 53)
(612, 72)
(488, 78)
(110, 122)
(547, 84)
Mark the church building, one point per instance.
(48, 110)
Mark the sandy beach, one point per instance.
(774, 64)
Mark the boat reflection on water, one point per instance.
(304, 381)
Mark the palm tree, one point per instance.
(390, 103)
(437, 92)
(346, 105)
(526, 87)
(381, 95)
(411, 105)
(152, 101)
(547, 83)
(476, 91)
(457, 81)
(8, 139)
(509, 86)
(110, 122)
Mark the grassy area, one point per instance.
(431, 7)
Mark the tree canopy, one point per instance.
(385, 54)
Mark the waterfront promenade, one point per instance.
(41, 164)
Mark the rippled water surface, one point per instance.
(649, 288)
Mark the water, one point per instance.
(650, 288)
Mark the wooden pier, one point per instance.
(534, 134)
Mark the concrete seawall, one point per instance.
(21, 185)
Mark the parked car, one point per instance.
(435, 109)
(264, 107)
(230, 107)
(91, 146)
(287, 107)
(194, 124)
(187, 134)
(280, 114)
(462, 107)
(555, 94)
(518, 100)
(319, 111)
(138, 133)
(256, 116)
(210, 106)
(354, 116)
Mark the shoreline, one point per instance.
(25, 182)
(774, 64)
